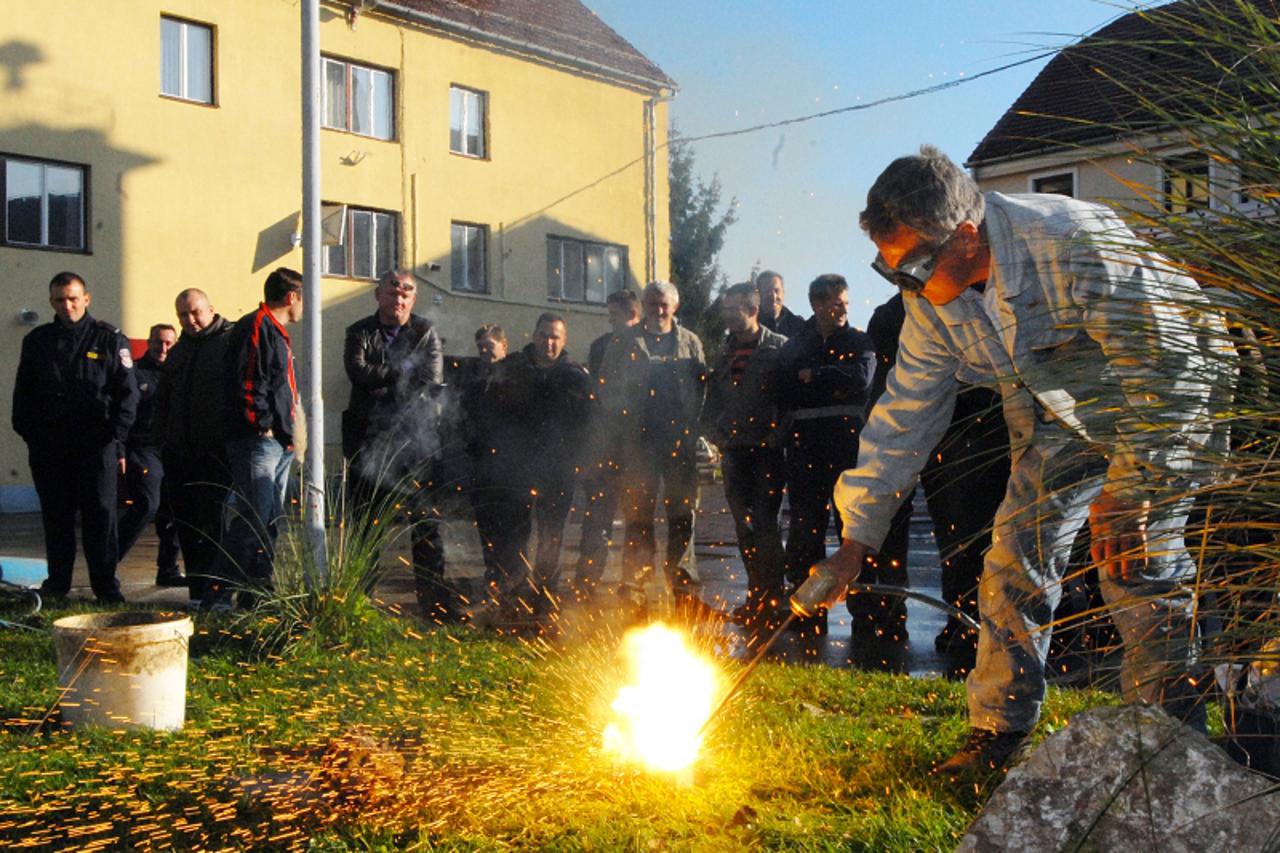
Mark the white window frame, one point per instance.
(184, 81)
(352, 234)
(1219, 178)
(1071, 171)
(349, 68)
(463, 120)
(556, 246)
(44, 166)
(458, 271)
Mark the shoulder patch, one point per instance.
(126, 357)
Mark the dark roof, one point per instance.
(1123, 80)
(564, 31)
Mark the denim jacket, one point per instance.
(1082, 328)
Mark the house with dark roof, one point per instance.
(508, 152)
(1106, 118)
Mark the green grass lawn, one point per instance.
(484, 743)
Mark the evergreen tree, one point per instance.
(697, 234)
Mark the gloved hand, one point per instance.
(829, 580)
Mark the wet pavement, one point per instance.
(719, 568)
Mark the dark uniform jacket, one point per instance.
(389, 383)
(146, 373)
(843, 367)
(75, 386)
(190, 414)
(262, 391)
(527, 422)
(744, 414)
(787, 323)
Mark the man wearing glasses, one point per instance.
(1106, 361)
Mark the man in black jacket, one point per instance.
(601, 482)
(144, 475)
(527, 425)
(262, 394)
(742, 410)
(74, 400)
(390, 430)
(824, 374)
(190, 425)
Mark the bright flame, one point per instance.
(660, 714)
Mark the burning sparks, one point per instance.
(659, 715)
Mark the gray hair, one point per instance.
(925, 192)
(664, 288)
(397, 278)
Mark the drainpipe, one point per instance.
(651, 185)
(312, 299)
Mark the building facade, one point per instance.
(507, 152)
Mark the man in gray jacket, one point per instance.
(653, 382)
(1108, 364)
(743, 409)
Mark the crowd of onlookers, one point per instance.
(200, 433)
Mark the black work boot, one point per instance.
(984, 753)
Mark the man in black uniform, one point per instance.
(964, 482)
(74, 401)
(145, 472)
(390, 430)
(189, 424)
(824, 374)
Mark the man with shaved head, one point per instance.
(189, 429)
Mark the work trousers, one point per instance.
(753, 483)
(70, 480)
(1047, 501)
(143, 479)
(654, 462)
(506, 517)
(600, 486)
(372, 502)
(259, 479)
(963, 482)
(198, 485)
(821, 449)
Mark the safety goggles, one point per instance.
(910, 275)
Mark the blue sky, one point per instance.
(799, 189)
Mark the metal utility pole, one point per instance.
(313, 469)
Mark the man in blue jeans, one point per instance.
(1108, 362)
(262, 396)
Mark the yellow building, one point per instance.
(503, 150)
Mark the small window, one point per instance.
(467, 258)
(368, 248)
(359, 99)
(1186, 184)
(578, 271)
(44, 204)
(186, 60)
(467, 122)
(1063, 184)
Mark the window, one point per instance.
(44, 204)
(467, 259)
(467, 121)
(186, 60)
(584, 272)
(358, 99)
(1061, 184)
(368, 248)
(1186, 184)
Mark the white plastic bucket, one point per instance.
(123, 670)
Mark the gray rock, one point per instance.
(1129, 779)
